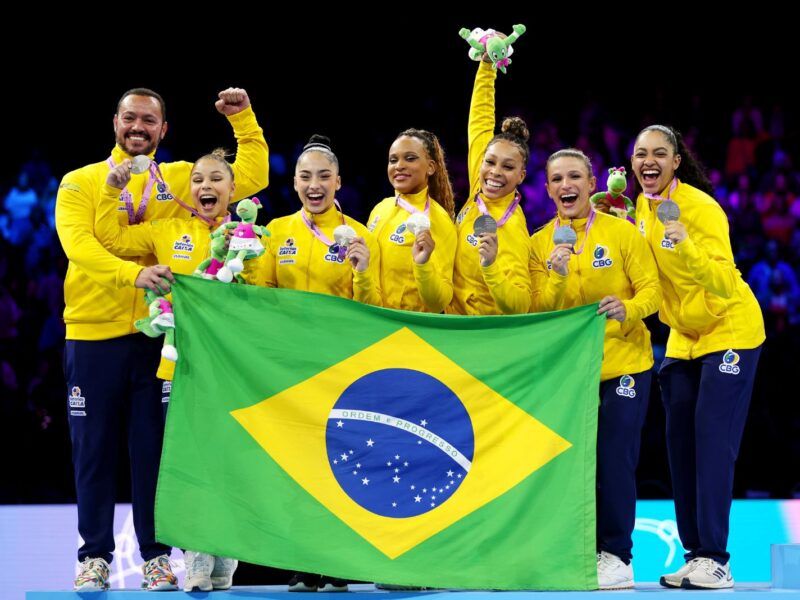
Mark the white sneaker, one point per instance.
(198, 571)
(222, 575)
(708, 574)
(674, 580)
(93, 576)
(612, 573)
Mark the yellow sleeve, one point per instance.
(366, 285)
(435, 278)
(508, 277)
(641, 269)
(710, 259)
(75, 210)
(481, 120)
(122, 240)
(510, 288)
(251, 167)
(547, 286)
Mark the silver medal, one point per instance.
(140, 164)
(484, 224)
(417, 223)
(668, 211)
(565, 235)
(344, 235)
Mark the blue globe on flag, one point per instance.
(399, 442)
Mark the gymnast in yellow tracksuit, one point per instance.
(413, 276)
(609, 264)
(715, 338)
(491, 271)
(181, 244)
(302, 252)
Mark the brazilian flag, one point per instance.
(314, 433)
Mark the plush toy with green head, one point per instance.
(613, 201)
(498, 49)
(244, 242)
(209, 268)
(159, 321)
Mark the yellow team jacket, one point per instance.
(179, 243)
(99, 306)
(504, 287)
(615, 261)
(403, 283)
(707, 304)
(297, 260)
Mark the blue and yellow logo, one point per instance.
(600, 257)
(730, 363)
(625, 387)
(397, 237)
(400, 442)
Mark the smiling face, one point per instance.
(409, 166)
(212, 187)
(316, 180)
(569, 184)
(139, 125)
(654, 161)
(502, 169)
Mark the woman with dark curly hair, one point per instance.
(716, 333)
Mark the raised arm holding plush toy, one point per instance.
(491, 266)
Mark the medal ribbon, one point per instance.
(506, 215)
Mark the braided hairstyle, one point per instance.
(439, 183)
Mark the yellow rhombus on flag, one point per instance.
(291, 426)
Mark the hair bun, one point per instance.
(318, 141)
(515, 126)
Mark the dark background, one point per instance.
(360, 78)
